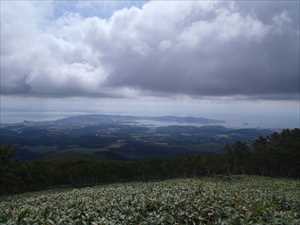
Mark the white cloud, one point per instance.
(197, 48)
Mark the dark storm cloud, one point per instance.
(196, 48)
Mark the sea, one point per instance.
(232, 121)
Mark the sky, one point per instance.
(224, 59)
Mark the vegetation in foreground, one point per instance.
(223, 200)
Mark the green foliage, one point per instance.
(6, 154)
(277, 156)
(240, 200)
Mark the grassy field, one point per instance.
(223, 200)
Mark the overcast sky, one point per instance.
(92, 55)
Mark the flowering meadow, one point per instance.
(221, 200)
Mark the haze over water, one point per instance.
(237, 121)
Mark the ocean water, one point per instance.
(275, 121)
(16, 117)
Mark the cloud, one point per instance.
(195, 48)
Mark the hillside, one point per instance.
(222, 200)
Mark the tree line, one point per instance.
(277, 155)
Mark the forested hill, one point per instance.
(276, 155)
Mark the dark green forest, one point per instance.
(277, 155)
